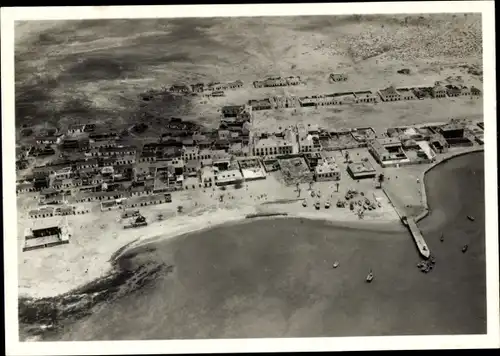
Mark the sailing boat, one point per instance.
(369, 278)
(442, 237)
(336, 264)
(465, 248)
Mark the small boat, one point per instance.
(471, 218)
(465, 248)
(369, 278)
(336, 264)
(327, 204)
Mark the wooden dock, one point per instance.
(417, 236)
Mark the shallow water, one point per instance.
(274, 278)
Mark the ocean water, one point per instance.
(274, 278)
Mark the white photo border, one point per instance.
(15, 347)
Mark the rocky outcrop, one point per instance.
(39, 316)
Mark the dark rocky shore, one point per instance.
(43, 316)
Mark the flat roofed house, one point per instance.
(326, 171)
(47, 140)
(124, 160)
(406, 94)
(361, 170)
(216, 86)
(389, 94)
(234, 85)
(77, 128)
(63, 173)
(228, 177)
(190, 154)
(275, 82)
(180, 88)
(365, 97)
(87, 163)
(117, 151)
(46, 236)
(207, 176)
(232, 110)
(338, 77)
(306, 144)
(452, 131)
(191, 168)
(24, 187)
(272, 146)
(388, 151)
(198, 87)
(262, 104)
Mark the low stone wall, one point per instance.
(442, 160)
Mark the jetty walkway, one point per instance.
(417, 236)
(415, 232)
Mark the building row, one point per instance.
(277, 82)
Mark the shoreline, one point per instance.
(179, 226)
(69, 306)
(444, 159)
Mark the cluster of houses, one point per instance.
(364, 96)
(278, 82)
(422, 92)
(106, 170)
(207, 89)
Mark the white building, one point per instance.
(272, 146)
(207, 176)
(326, 170)
(190, 154)
(228, 177)
(306, 144)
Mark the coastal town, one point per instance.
(249, 177)
(89, 169)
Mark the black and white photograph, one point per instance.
(214, 173)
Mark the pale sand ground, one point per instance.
(96, 236)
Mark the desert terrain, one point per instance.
(83, 71)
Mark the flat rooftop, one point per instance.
(361, 167)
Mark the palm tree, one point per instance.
(381, 179)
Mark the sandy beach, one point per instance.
(274, 277)
(97, 236)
